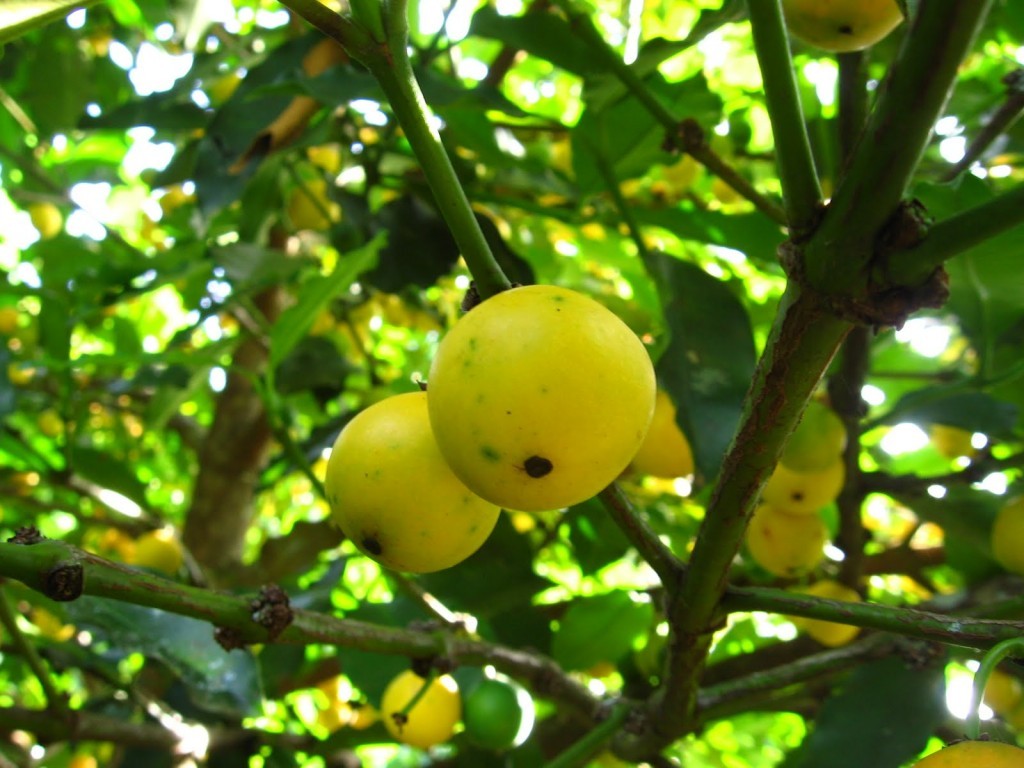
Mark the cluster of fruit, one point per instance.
(787, 534)
(538, 398)
(423, 712)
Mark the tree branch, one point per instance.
(668, 567)
(801, 192)
(954, 236)
(63, 572)
(1000, 122)
(891, 147)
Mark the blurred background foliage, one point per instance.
(218, 248)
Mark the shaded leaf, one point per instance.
(599, 629)
(709, 361)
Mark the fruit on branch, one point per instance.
(841, 25)
(309, 206)
(158, 550)
(817, 441)
(804, 493)
(47, 219)
(1008, 536)
(975, 754)
(665, 451)
(394, 496)
(830, 633)
(431, 719)
(784, 544)
(1003, 692)
(951, 442)
(493, 714)
(540, 397)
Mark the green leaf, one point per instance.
(600, 629)
(19, 16)
(596, 539)
(544, 35)
(956, 407)
(754, 234)
(709, 362)
(882, 717)
(217, 680)
(420, 248)
(295, 321)
(103, 469)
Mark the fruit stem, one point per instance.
(988, 663)
(801, 192)
(389, 63)
(890, 148)
(668, 567)
(956, 235)
(587, 747)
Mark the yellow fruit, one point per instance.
(1003, 692)
(173, 198)
(50, 423)
(1015, 717)
(327, 157)
(47, 219)
(724, 193)
(309, 207)
(82, 761)
(951, 442)
(220, 90)
(431, 720)
(50, 626)
(817, 441)
(392, 494)
(665, 451)
(9, 320)
(785, 545)
(681, 175)
(160, 551)
(829, 633)
(539, 398)
(1008, 536)
(20, 376)
(804, 493)
(975, 754)
(841, 25)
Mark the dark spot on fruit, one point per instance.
(489, 453)
(371, 545)
(846, 29)
(538, 466)
(797, 496)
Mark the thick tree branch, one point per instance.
(912, 99)
(63, 572)
(801, 192)
(232, 455)
(954, 236)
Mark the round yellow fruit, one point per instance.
(817, 441)
(829, 633)
(309, 207)
(1003, 692)
(47, 219)
(431, 720)
(804, 493)
(951, 442)
(784, 544)
(394, 496)
(9, 320)
(665, 451)
(1008, 536)
(540, 397)
(975, 754)
(158, 550)
(841, 25)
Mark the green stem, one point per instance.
(587, 747)
(1012, 646)
(55, 701)
(1000, 122)
(935, 627)
(801, 192)
(956, 235)
(390, 65)
(646, 541)
(49, 564)
(892, 144)
(803, 341)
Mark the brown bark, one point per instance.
(232, 455)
